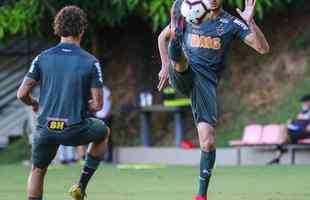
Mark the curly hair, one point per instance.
(70, 21)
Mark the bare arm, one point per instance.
(96, 103)
(23, 93)
(256, 39)
(163, 41)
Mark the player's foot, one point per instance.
(76, 192)
(275, 161)
(200, 198)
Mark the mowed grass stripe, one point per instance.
(171, 183)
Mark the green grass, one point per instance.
(171, 183)
(16, 151)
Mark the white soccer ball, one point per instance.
(194, 11)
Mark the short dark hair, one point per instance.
(70, 21)
(305, 98)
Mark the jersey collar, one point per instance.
(68, 45)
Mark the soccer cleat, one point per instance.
(76, 192)
(200, 198)
(275, 161)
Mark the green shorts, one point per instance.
(201, 91)
(45, 142)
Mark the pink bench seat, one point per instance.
(251, 136)
(274, 134)
(304, 141)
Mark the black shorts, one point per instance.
(295, 136)
(46, 142)
(201, 91)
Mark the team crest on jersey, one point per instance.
(224, 20)
(220, 30)
(56, 124)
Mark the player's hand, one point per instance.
(248, 13)
(163, 78)
(35, 107)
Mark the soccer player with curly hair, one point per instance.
(70, 81)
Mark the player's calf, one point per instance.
(35, 183)
(97, 148)
(207, 160)
(78, 191)
(92, 161)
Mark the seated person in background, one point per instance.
(300, 127)
(297, 129)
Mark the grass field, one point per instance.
(170, 183)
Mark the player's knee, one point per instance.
(180, 67)
(206, 137)
(104, 134)
(177, 57)
(208, 145)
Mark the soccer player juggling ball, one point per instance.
(193, 56)
(70, 81)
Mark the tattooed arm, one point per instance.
(23, 93)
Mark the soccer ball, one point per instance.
(194, 11)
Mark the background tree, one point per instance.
(35, 16)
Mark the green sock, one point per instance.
(91, 165)
(206, 165)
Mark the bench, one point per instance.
(268, 137)
(146, 116)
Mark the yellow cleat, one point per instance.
(76, 192)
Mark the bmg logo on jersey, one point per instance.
(200, 41)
